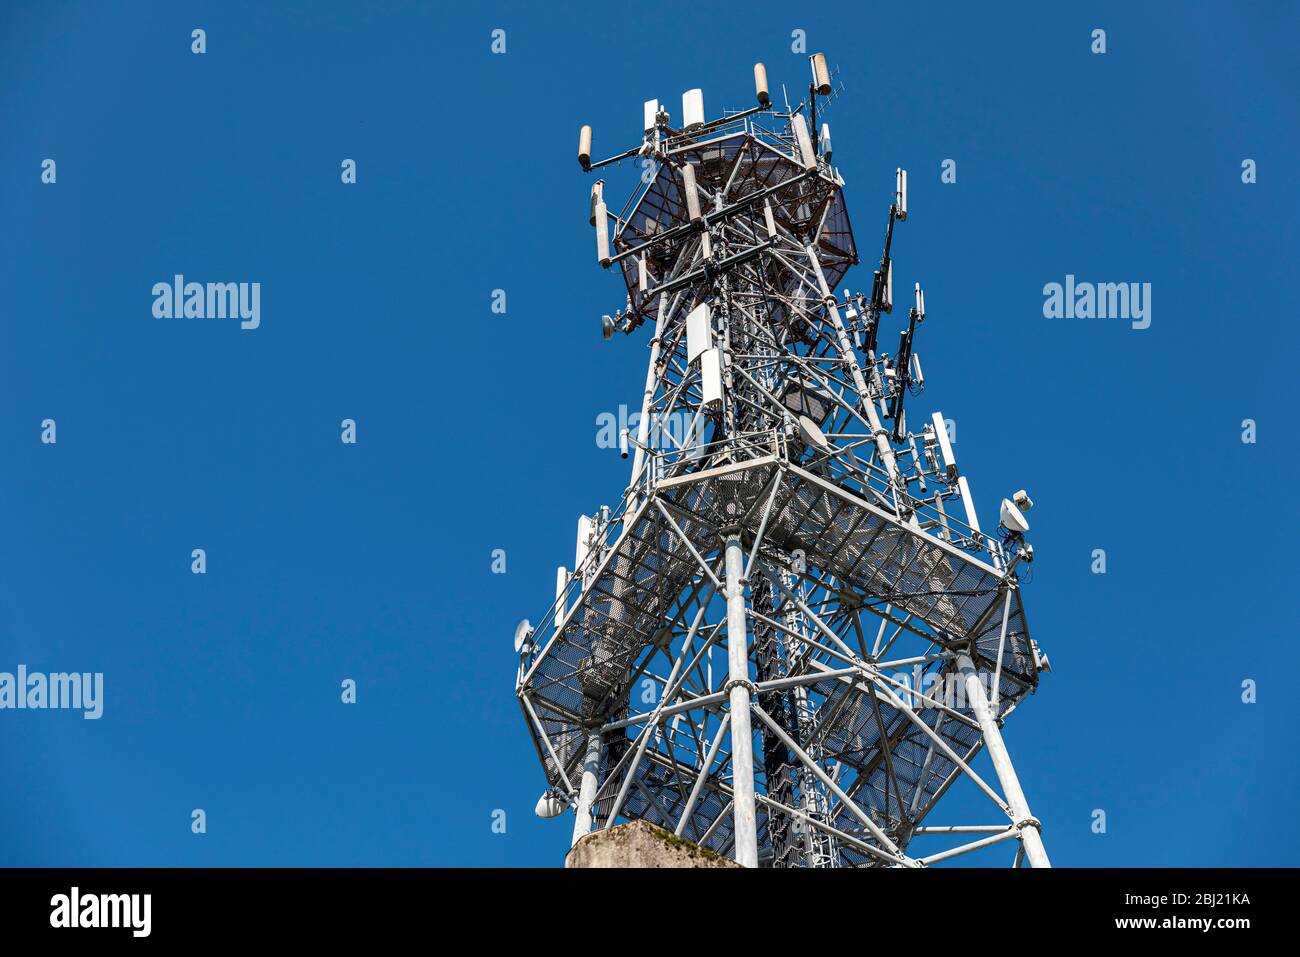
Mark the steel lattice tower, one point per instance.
(786, 547)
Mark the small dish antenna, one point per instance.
(523, 631)
(1011, 518)
(549, 805)
(812, 434)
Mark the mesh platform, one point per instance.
(634, 586)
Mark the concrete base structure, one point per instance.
(641, 844)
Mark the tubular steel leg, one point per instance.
(745, 820)
(1025, 822)
(587, 789)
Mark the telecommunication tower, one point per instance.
(788, 636)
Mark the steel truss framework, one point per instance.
(724, 659)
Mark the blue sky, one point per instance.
(476, 430)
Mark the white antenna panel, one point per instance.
(806, 155)
(561, 581)
(602, 235)
(699, 333)
(586, 530)
(971, 518)
(945, 447)
(711, 375)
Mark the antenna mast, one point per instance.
(828, 638)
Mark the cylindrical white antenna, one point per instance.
(806, 154)
(693, 207)
(821, 75)
(889, 287)
(760, 86)
(692, 193)
(622, 443)
(692, 109)
(920, 302)
(597, 197)
(602, 235)
(826, 141)
(584, 147)
(900, 193)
